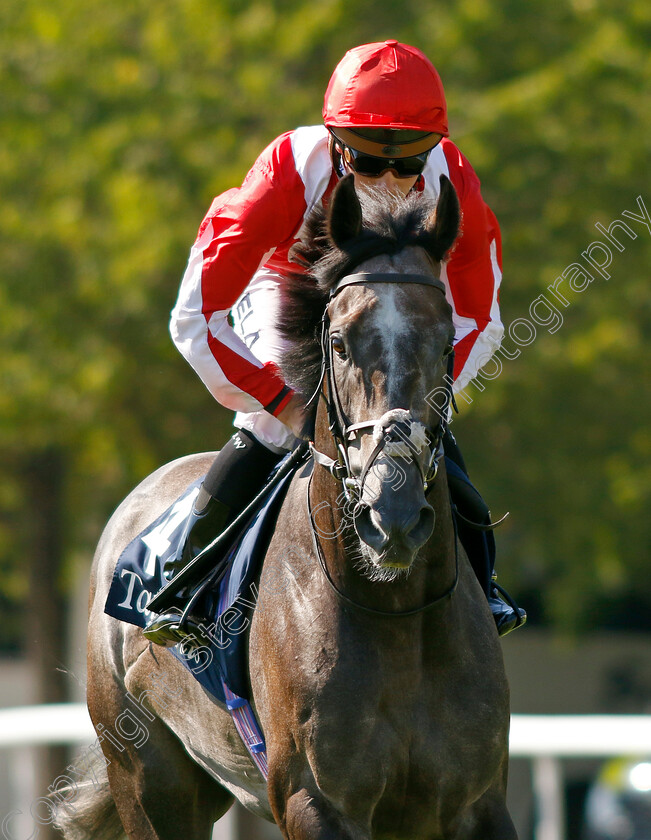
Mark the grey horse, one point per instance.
(375, 667)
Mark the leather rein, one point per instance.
(395, 432)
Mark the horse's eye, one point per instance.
(338, 346)
(448, 350)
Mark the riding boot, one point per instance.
(507, 614)
(473, 527)
(206, 521)
(236, 476)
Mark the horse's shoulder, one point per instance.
(172, 478)
(149, 499)
(296, 497)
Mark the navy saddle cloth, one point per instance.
(138, 576)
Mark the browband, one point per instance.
(371, 277)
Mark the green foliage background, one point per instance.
(119, 121)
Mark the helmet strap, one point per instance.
(336, 157)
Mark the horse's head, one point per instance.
(383, 337)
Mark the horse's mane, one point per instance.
(389, 224)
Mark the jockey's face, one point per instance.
(398, 175)
(388, 180)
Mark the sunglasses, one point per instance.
(363, 164)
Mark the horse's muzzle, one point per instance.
(395, 535)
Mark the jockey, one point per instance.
(385, 121)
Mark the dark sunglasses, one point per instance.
(363, 164)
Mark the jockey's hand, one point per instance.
(293, 415)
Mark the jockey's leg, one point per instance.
(479, 544)
(236, 476)
(242, 466)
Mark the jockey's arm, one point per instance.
(241, 230)
(474, 274)
(293, 415)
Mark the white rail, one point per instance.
(568, 736)
(544, 739)
(57, 723)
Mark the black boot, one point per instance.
(206, 521)
(475, 533)
(507, 614)
(236, 476)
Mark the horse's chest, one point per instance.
(411, 748)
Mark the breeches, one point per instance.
(255, 316)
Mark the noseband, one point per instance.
(396, 432)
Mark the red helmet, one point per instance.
(386, 85)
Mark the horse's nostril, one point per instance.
(378, 531)
(424, 526)
(368, 531)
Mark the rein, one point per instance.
(394, 431)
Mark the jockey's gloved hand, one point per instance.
(293, 415)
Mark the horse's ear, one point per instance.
(443, 224)
(345, 216)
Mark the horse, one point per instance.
(375, 667)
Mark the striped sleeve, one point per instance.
(473, 274)
(240, 232)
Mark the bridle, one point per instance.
(395, 433)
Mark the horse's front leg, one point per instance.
(489, 820)
(304, 813)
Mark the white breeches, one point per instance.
(255, 316)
